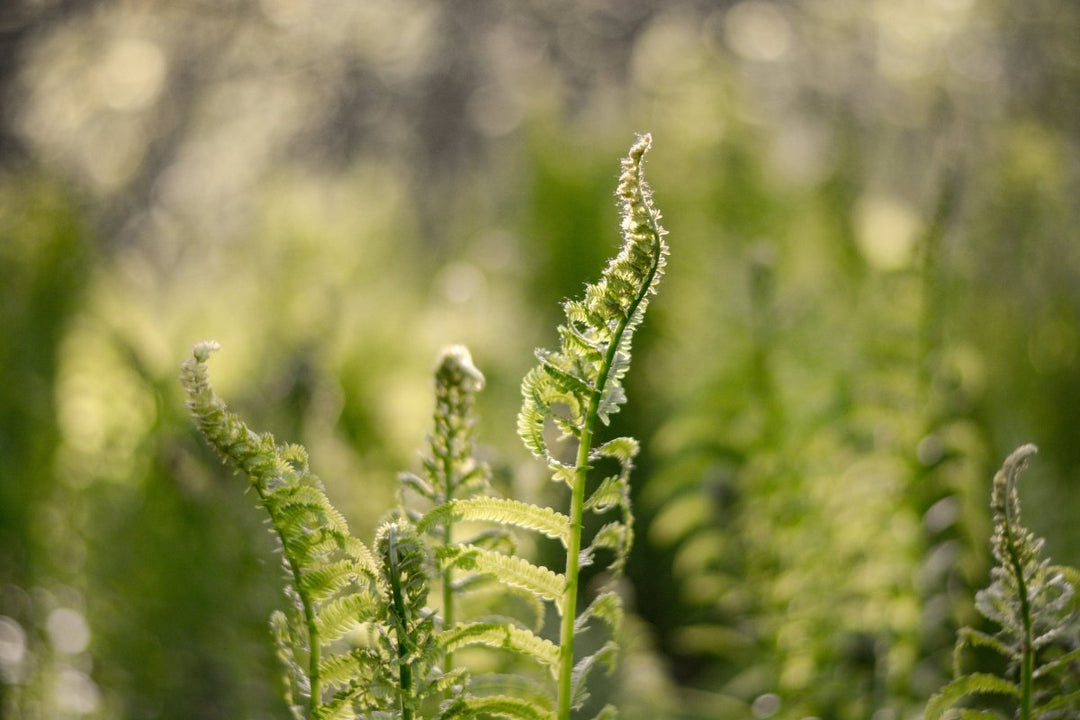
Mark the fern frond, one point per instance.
(331, 573)
(504, 511)
(605, 656)
(610, 493)
(405, 575)
(579, 385)
(502, 706)
(1034, 605)
(585, 374)
(606, 607)
(450, 468)
(337, 617)
(966, 686)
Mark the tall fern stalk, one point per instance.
(585, 376)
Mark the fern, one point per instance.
(580, 383)
(1034, 604)
(360, 638)
(451, 473)
(331, 574)
(338, 587)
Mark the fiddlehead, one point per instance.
(340, 591)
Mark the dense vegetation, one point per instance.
(874, 300)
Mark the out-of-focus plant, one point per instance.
(1035, 607)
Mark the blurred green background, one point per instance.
(873, 296)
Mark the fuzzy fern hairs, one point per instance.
(1035, 605)
(359, 638)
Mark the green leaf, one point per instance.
(336, 617)
(514, 571)
(322, 582)
(606, 607)
(610, 493)
(504, 636)
(964, 686)
(606, 656)
(502, 706)
(623, 449)
(501, 510)
(1071, 701)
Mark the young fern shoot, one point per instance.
(337, 586)
(581, 383)
(450, 471)
(1035, 606)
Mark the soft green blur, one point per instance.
(873, 296)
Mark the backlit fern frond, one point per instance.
(333, 577)
(404, 570)
(581, 383)
(585, 375)
(1034, 604)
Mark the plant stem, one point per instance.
(1027, 648)
(573, 560)
(309, 611)
(404, 668)
(581, 473)
(448, 575)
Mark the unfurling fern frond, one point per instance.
(452, 477)
(1035, 606)
(332, 575)
(581, 383)
(450, 468)
(404, 570)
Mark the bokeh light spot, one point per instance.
(887, 230)
(757, 30)
(132, 74)
(68, 630)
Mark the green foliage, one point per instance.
(1034, 605)
(359, 638)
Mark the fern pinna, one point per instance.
(1035, 605)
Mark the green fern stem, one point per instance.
(405, 679)
(582, 467)
(449, 618)
(573, 566)
(1027, 642)
(306, 603)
